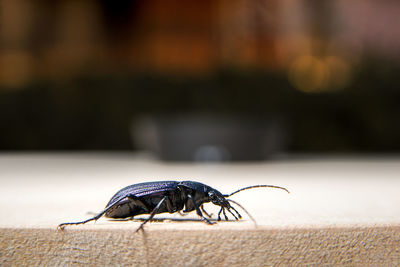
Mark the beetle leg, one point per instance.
(219, 214)
(62, 225)
(95, 218)
(205, 212)
(251, 217)
(198, 211)
(226, 217)
(170, 207)
(152, 213)
(138, 202)
(238, 214)
(236, 218)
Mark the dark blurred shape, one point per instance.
(210, 137)
(73, 74)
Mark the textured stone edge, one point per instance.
(351, 246)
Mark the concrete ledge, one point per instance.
(354, 246)
(339, 212)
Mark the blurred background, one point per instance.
(200, 80)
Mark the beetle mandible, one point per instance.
(168, 196)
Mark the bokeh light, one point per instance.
(312, 74)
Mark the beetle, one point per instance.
(168, 196)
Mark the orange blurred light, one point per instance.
(311, 74)
(16, 67)
(308, 74)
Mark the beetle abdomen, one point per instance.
(143, 198)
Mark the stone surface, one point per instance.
(340, 211)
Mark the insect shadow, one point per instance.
(160, 219)
(163, 219)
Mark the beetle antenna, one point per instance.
(251, 217)
(256, 186)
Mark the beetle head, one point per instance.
(218, 199)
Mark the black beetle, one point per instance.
(168, 196)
